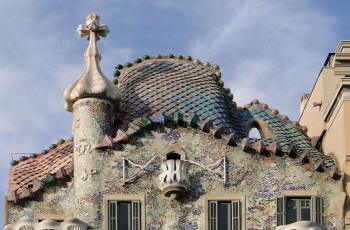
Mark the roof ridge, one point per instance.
(53, 146)
(121, 67)
(259, 145)
(273, 111)
(291, 135)
(182, 84)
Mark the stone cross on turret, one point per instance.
(93, 27)
(93, 100)
(92, 82)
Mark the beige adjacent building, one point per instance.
(325, 111)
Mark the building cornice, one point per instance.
(342, 93)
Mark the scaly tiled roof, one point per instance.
(283, 136)
(176, 85)
(29, 175)
(175, 89)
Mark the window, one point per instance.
(224, 215)
(123, 212)
(124, 215)
(293, 209)
(298, 209)
(173, 156)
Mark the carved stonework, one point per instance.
(89, 174)
(83, 148)
(174, 179)
(92, 82)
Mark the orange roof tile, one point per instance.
(28, 175)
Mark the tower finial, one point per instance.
(92, 82)
(92, 25)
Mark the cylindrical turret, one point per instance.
(92, 99)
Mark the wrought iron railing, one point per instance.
(20, 156)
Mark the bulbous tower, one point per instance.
(92, 99)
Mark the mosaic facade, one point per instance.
(168, 140)
(258, 178)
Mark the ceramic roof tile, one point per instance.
(167, 83)
(285, 133)
(181, 90)
(24, 173)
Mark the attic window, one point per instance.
(254, 133)
(173, 156)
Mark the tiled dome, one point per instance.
(171, 84)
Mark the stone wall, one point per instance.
(259, 178)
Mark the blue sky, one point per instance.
(267, 49)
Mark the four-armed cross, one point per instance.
(92, 26)
(92, 82)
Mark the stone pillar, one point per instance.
(92, 121)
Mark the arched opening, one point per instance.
(254, 133)
(173, 156)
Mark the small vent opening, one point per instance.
(173, 156)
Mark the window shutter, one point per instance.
(213, 215)
(281, 217)
(135, 212)
(317, 210)
(236, 215)
(112, 215)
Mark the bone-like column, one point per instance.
(92, 99)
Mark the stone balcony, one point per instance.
(174, 179)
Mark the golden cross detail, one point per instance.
(92, 25)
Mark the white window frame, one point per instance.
(124, 198)
(222, 197)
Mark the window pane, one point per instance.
(236, 225)
(298, 209)
(320, 211)
(124, 211)
(224, 215)
(305, 205)
(305, 214)
(112, 216)
(213, 224)
(291, 212)
(280, 211)
(135, 215)
(212, 215)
